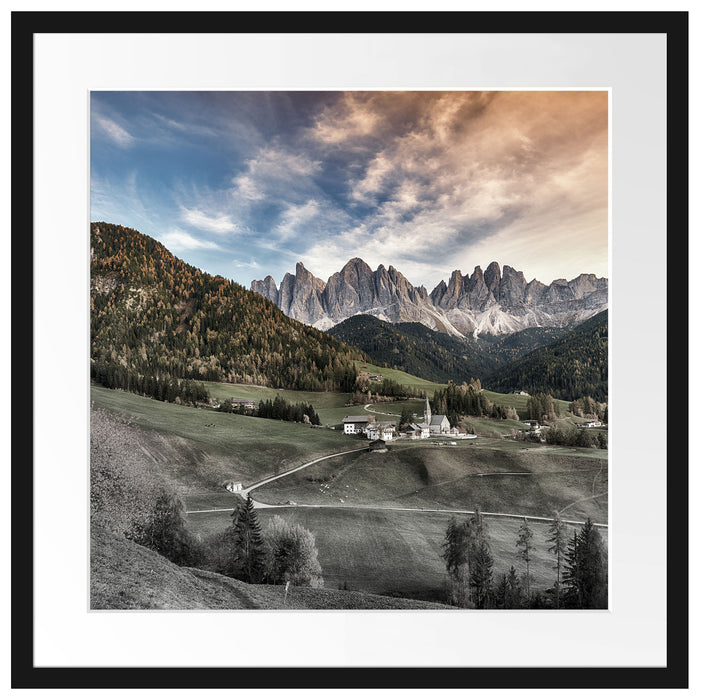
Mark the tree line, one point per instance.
(467, 399)
(278, 409)
(162, 388)
(579, 563)
(280, 553)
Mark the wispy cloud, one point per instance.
(216, 224)
(296, 216)
(277, 171)
(115, 132)
(351, 117)
(251, 265)
(177, 240)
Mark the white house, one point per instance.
(381, 431)
(592, 424)
(419, 431)
(355, 425)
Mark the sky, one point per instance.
(247, 184)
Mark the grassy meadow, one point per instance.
(416, 475)
(394, 553)
(400, 377)
(205, 448)
(352, 503)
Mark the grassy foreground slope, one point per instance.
(124, 576)
(395, 553)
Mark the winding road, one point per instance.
(257, 504)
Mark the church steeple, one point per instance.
(427, 412)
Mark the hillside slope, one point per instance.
(155, 318)
(436, 356)
(414, 348)
(127, 576)
(572, 367)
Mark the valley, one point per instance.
(368, 443)
(379, 519)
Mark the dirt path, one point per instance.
(513, 516)
(263, 482)
(258, 504)
(379, 413)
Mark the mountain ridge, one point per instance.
(495, 301)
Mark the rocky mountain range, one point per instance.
(495, 301)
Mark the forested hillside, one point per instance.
(509, 347)
(416, 349)
(570, 368)
(158, 325)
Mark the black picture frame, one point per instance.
(25, 25)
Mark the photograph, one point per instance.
(352, 343)
(349, 349)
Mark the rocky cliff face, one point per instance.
(495, 301)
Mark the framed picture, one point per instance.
(573, 118)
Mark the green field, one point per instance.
(416, 475)
(204, 448)
(330, 407)
(348, 501)
(394, 552)
(400, 377)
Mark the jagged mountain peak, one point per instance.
(494, 301)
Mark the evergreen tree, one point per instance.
(571, 574)
(250, 550)
(585, 570)
(455, 555)
(481, 575)
(514, 590)
(524, 548)
(557, 538)
(468, 561)
(406, 417)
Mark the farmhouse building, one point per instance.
(378, 446)
(381, 431)
(355, 425)
(247, 404)
(419, 431)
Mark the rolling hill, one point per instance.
(157, 322)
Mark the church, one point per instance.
(438, 424)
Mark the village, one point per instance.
(385, 431)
